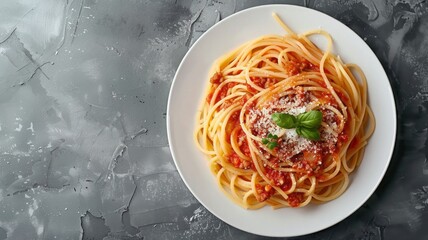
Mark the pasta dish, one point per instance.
(284, 123)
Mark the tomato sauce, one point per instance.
(279, 179)
(295, 199)
(234, 158)
(261, 82)
(222, 93)
(354, 143)
(216, 78)
(243, 143)
(342, 97)
(264, 192)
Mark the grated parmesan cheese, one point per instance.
(296, 111)
(291, 143)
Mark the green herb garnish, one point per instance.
(306, 124)
(284, 120)
(271, 141)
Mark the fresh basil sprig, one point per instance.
(306, 124)
(271, 141)
(311, 119)
(284, 120)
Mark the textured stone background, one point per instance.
(83, 91)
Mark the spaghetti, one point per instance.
(256, 160)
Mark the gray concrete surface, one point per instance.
(83, 91)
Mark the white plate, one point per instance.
(187, 92)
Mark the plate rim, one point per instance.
(300, 8)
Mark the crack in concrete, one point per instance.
(192, 22)
(34, 73)
(64, 32)
(36, 185)
(77, 22)
(49, 168)
(10, 35)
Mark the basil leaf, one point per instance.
(265, 140)
(274, 137)
(272, 145)
(311, 119)
(299, 131)
(270, 135)
(284, 120)
(308, 133)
